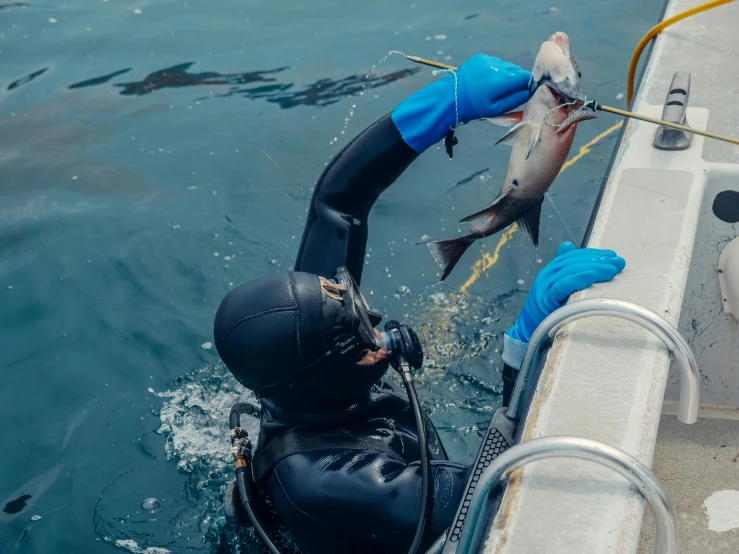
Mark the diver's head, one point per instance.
(299, 334)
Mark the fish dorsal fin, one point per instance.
(529, 220)
(573, 118)
(507, 119)
(483, 219)
(525, 133)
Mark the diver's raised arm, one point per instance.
(335, 232)
(336, 229)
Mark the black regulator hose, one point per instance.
(427, 497)
(244, 484)
(404, 351)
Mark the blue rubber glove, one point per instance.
(571, 270)
(486, 87)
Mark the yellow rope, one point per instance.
(487, 261)
(654, 31)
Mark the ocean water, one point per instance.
(156, 153)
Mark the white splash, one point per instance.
(132, 546)
(194, 420)
(722, 509)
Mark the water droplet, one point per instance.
(137, 11)
(204, 346)
(520, 281)
(35, 518)
(402, 289)
(619, 96)
(52, 20)
(150, 504)
(10, 287)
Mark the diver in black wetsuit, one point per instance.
(352, 484)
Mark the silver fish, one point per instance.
(539, 151)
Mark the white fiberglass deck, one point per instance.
(606, 379)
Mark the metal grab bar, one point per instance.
(591, 307)
(585, 449)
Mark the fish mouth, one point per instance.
(564, 90)
(569, 91)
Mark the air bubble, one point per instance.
(150, 504)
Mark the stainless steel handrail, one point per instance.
(591, 307)
(609, 456)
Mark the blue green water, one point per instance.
(156, 153)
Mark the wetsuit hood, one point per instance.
(274, 334)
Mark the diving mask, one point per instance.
(361, 332)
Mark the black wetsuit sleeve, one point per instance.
(336, 230)
(361, 501)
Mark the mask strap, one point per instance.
(332, 290)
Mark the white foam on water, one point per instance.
(194, 419)
(132, 546)
(722, 509)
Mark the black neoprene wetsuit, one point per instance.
(336, 500)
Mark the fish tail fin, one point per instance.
(448, 252)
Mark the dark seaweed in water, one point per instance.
(99, 80)
(322, 92)
(179, 76)
(27, 79)
(17, 505)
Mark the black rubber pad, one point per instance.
(726, 206)
(493, 445)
